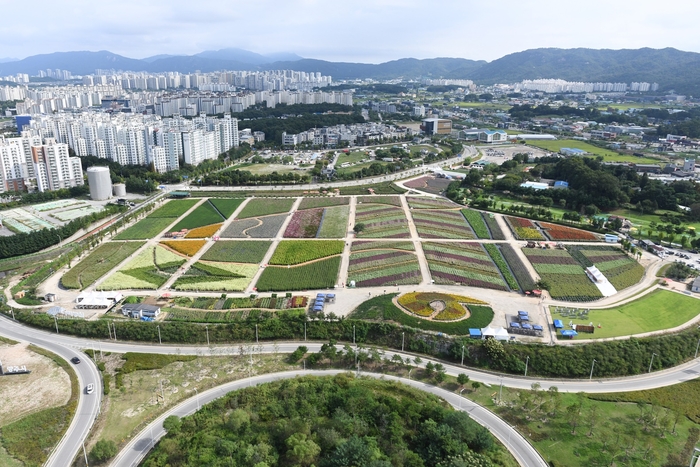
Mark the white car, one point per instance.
(90, 388)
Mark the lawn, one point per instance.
(238, 251)
(98, 263)
(263, 207)
(608, 154)
(145, 228)
(351, 157)
(655, 311)
(204, 214)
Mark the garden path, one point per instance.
(420, 254)
(349, 237)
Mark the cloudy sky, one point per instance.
(369, 31)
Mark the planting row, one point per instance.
(442, 224)
(381, 221)
(149, 270)
(382, 265)
(329, 222)
(462, 263)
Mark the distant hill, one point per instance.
(79, 63)
(7, 60)
(245, 56)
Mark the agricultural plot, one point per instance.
(381, 221)
(463, 263)
(502, 265)
(494, 228)
(334, 223)
(174, 208)
(416, 202)
(149, 270)
(304, 224)
(257, 227)
(237, 251)
(620, 270)
(476, 222)
(429, 184)
(523, 229)
(310, 276)
(559, 232)
(301, 251)
(518, 268)
(216, 276)
(370, 245)
(217, 303)
(565, 277)
(204, 214)
(226, 206)
(264, 207)
(22, 221)
(185, 247)
(442, 224)
(98, 263)
(146, 228)
(390, 200)
(378, 265)
(324, 202)
(74, 213)
(204, 232)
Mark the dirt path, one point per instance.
(415, 238)
(349, 238)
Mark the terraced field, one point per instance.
(376, 264)
(442, 224)
(464, 263)
(381, 221)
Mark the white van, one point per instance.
(90, 388)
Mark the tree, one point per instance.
(359, 227)
(172, 424)
(301, 449)
(429, 368)
(476, 385)
(462, 379)
(103, 450)
(573, 415)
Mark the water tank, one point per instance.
(119, 190)
(100, 183)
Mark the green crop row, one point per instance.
(301, 251)
(497, 258)
(477, 223)
(317, 275)
(98, 263)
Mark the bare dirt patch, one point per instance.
(45, 387)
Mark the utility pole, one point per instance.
(256, 334)
(353, 333)
(85, 454)
(114, 328)
(207, 329)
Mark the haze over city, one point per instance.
(359, 30)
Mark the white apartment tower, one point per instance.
(54, 168)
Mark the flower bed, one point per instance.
(382, 221)
(418, 303)
(560, 232)
(186, 247)
(524, 229)
(494, 228)
(98, 263)
(378, 267)
(204, 214)
(216, 276)
(391, 200)
(301, 251)
(263, 207)
(263, 227)
(566, 279)
(463, 263)
(149, 270)
(621, 270)
(203, 232)
(442, 224)
(497, 258)
(322, 202)
(415, 202)
(370, 245)
(335, 222)
(242, 251)
(520, 271)
(316, 275)
(477, 223)
(304, 224)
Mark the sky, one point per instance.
(368, 31)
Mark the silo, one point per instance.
(100, 183)
(119, 190)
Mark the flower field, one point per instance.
(502, 265)
(370, 245)
(518, 268)
(524, 229)
(204, 232)
(237, 251)
(316, 275)
(231, 303)
(263, 227)
(477, 223)
(442, 224)
(494, 228)
(302, 251)
(560, 232)
(204, 214)
(335, 222)
(264, 207)
(304, 224)
(216, 276)
(149, 270)
(378, 265)
(98, 263)
(418, 303)
(226, 206)
(416, 202)
(391, 200)
(566, 278)
(464, 263)
(185, 247)
(323, 202)
(620, 270)
(382, 221)
(429, 184)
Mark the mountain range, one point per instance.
(671, 68)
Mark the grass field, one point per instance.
(351, 157)
(98, 263)
(204, 214)
(145, 228)
(226, 206)
(656, 311)
(237, 251)
(264, 207)
(608, 154)
(174, 208)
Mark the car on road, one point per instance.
(75, 360)
(90, 388)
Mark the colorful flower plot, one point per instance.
(442, 224)
(302, 265)
(149, 270)
(524, 229)
(185, 247)
(216, 276)
(620, 270)
(256, 227)
(560, 232)
(330, 222)
(416, 202)
(463, 263)
(565, 277)
(437, 306)
(375, 264)
(390, 200)
(238, 251)
(381, 221)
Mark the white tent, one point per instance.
(502, 334)
(488, 332)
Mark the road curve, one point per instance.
(135, 451)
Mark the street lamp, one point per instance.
(652, 360)
(593, 365)
(353, 333)
(409, 373)
(196, 395)
(462, 354)
(159, 340)
(696, 347)
(402, 341)
(207, 329)
(526, 362)
(460, 397)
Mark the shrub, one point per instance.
(103, 450)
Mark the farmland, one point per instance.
(203, 232)
(381, 221)
(335, 222)
(262, 227)
(442, 224)
(562, 233)
(476, 222)
(216, 276)
(304, 224)
(494, 228)
(146, 228)
(391, 200)
(315, 275)
(415, 202)
(523, 229)
(226, 206)
(302, 251)
(464, 263)
(174, 208)
(620, 270)
(204, 214)
(370, 245)
(218, 303)
(237, 251)
(185, 247)
(149, 270)
(564, 276)
(98, 263)
(324, 202)
(264, 207)
(379, 265)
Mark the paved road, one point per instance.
(520, 448)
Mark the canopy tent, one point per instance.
(475, 333)
(570, 333)
(501, 334)
(488, 331)
(558, 324)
